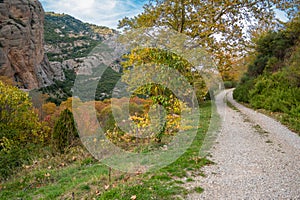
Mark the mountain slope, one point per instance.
(67, 37)
(69, 43)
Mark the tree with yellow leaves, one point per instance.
(219, 26)
(20, 130)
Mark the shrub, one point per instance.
(229, 84)
(107, 119)
(13, 157)
(99, 106)
(275, 93)
(241, 93)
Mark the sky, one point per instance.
(99, 12)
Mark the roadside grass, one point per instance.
(260, 130)
(269, 142)
(230, 105)
(198, 189)
(78, 176)
(292, 123)
(257, 127)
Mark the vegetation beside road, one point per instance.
(47, 172)
(272, 81)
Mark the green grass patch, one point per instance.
(230, 105)
(189, 180)
(269, 142)
(260, 130)
(198, 189)
(162, 184)
(52, 184)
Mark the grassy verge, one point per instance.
(290, 122)
(78, 176)
(164, 184)
(230, 105)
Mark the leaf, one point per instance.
(74, 158)
(106, 187)
(98, 192)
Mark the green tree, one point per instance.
(273, 77)
(64, 132)
(273, 49)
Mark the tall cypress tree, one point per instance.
(64, 132)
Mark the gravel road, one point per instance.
(256, 158)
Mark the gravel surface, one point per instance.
(256, 158)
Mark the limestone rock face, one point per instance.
(22, 54)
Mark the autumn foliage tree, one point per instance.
(157, 58)
(20, 130)
(48, 108)
(18, 121)
(219, 26)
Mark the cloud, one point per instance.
(281, 15)
(100, 12)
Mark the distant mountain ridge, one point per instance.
(67, 37)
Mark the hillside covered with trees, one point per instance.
(69, 42)
(67, 37)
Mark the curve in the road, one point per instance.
(256, 158)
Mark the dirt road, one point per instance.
(256, 158)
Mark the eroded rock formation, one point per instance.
(22, 56)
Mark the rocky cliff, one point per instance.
(22, 54)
